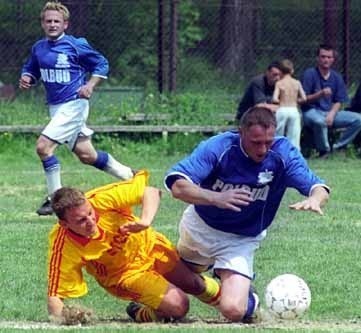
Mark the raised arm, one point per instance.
(150, 205)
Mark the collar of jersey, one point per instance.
(55, 40)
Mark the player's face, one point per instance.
(53, 24)
(325, 59)
(273, 75)
(256, 141)
(81, 220)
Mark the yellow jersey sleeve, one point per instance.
(120, 195)
(65, 277)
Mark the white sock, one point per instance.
(117, 169)
(53, 180)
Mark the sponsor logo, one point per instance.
(257, 193)
(55, 75)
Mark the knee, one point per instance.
(233, 312)
(86, 158)
(179, 307)
(42, 149)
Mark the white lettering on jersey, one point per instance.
(257, 193)
(55, 75)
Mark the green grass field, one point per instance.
(324, 250)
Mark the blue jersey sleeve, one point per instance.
(31, 67)
(298, 174)
(198, 165)
(92, 61)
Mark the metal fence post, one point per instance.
(173, 46)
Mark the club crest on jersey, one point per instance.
(265, 177)
(62, 61)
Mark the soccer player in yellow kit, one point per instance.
(99, 232)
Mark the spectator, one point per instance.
(288, 93)
(326, 91)
(260, 90)
(62, 62)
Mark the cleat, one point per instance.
(132, 309)
(45, 208)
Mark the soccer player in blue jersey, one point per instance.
(62, 62)
(234, 183)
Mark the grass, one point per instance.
(323, 250)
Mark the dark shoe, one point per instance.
(323, 155)
(45, 208)
(132, 309)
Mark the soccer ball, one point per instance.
(287, 296)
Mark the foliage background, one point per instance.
(221, 43)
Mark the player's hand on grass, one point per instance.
(76, 315)
(310, 203)
(233, 199)
(73, 315)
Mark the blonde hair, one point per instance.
(286, 66)
(58, 6)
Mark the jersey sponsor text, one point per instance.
(257, 193)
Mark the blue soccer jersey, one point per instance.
(62, 65)
(220, 164)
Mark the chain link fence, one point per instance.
(192, 46)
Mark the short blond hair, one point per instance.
(58, 6)
(286, 66)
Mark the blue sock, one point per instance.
(51, 163)
(251, 305)
(102, 160)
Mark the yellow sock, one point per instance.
(145, 315)
(212, 294)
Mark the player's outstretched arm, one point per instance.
(314, 202)
(233, 199)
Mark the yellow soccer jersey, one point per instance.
(108, 255)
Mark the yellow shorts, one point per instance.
(149, 286)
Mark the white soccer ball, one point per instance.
(287, 296)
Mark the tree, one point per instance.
(237, 29)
